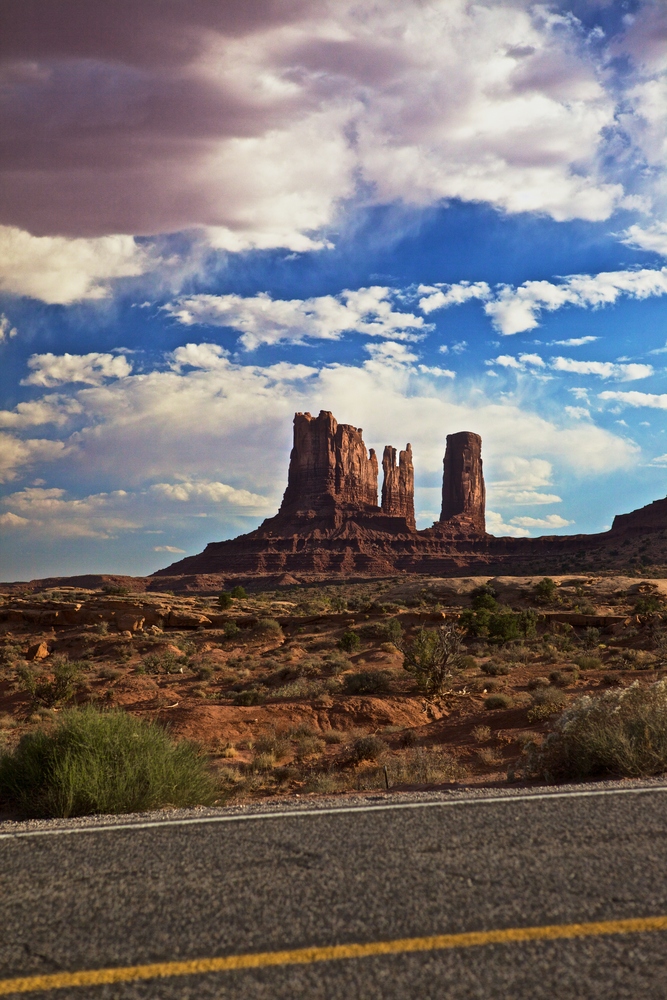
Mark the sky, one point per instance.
(426, 217)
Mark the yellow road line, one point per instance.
(305, 956)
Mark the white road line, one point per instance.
(334, 810)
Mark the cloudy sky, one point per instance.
(427, 217)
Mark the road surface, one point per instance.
(518, 896)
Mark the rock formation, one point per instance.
(463, 491)
(329, 523)
(398, 487)
(329, 467)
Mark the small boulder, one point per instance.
(38, 651)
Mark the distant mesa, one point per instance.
(330, 522)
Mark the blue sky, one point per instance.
(427, 219)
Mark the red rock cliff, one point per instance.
(398, 487)
(463, 491)
(329, 466)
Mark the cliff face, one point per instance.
(398, 487)
(329, 467)
(463, 490)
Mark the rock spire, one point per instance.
(398, 487)
(463, 491)
(329, 467)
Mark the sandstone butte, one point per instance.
(331, 524)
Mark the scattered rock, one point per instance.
(38, 651)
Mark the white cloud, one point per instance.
(17, 454)
(575, 341)
(550, 521)
(603, 369)
(54, 409)
(653, 238)
(60, 270)
(9, 520)
(442, 296)
(435, 370)
(7, 331)
(263, 320)
(578, 412)
(496, 526)
(59, 369)
(168, 548)
(660, 461)
(654, 401)
(205, 356)
(212, 492)
(521, 482)
(48, 512)
(515, 310)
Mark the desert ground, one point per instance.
(303, 690)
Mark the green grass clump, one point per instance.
(367, 682)
(102, 762)
(620, 733)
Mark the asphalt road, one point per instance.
(117, 897)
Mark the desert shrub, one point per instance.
(269, 628)
(302, 687)
(204, 672)
(495, 701)
(367, 682)
(588, 662)
(638, 659)
(166, 662)
(537, 682)
(349, 641)
(546, 702)
(546, 591)
(102, 762)
(432, 657)
(338, 604)
(481, 734)
(563, 678)
(590, 637)
(116, 590)
(619, 733)
(492, 668)
(409, 738)
(467, 662)
(500, 626)
(308, 745)
(250, 696)
(649, 604)
(414, 766)
(51, 690)
(238, 592)
(225, 600)
(489, 757)
(368, 747)
(484, 597)
(333, 736)
(335, 662)
(231, 629)
(262, 763)
(9, 654)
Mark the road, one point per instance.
(109, 898)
